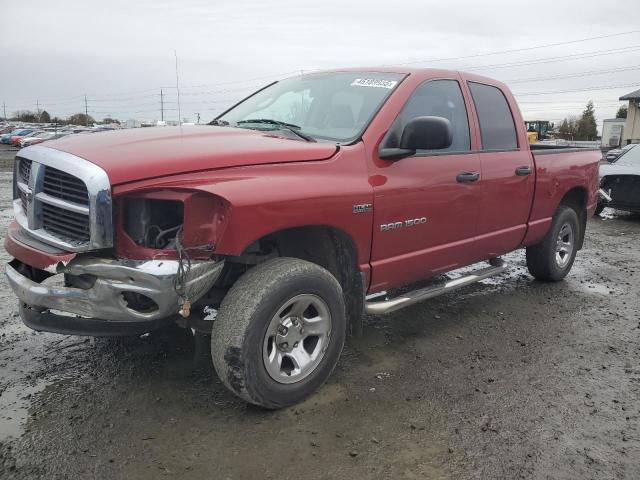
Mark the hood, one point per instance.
(614, 169)
(143, 153)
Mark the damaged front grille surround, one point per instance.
(63, 200)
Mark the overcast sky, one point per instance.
(121, 53)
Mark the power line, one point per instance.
(109, 96)
(573, 75)
(574, 56)
(514, 50)
(586, 89)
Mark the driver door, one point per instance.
(426, 206)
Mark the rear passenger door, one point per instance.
(508, 176)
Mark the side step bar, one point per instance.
(497, 266)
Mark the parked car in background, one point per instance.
(613, 155)
(15, 140)
(6, 138)
(44, 136)
(621, 182)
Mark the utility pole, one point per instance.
(38, 109)
(198, 118)
(4, 109)
(86, 112)
(175, 52)
(161, 106)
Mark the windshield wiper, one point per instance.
(295, 129)
(219, 123)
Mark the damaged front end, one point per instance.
(89, 264)
(107, 297)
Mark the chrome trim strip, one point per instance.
(99, 189)
(58, 202)
(24, 187)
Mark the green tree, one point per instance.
(568, 129)
(622, 112)
(587, 127)
(80, 119)
(45, 117)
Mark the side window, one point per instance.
(438, 98)
(497, 129)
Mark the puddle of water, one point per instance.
(14, 408)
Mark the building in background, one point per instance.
(632, 125)
(612, 132)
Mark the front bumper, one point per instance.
(103, 306)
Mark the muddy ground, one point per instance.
(508, 379)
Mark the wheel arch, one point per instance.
(327, 246)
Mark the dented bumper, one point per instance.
(102, 296)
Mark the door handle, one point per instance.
(523, 171)
(467, 177)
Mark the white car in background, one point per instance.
(42, 137)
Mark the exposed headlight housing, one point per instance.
(149, 223)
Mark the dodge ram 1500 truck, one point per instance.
(277, 225)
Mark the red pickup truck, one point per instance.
(277, 225)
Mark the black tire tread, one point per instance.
(541, 257)
(235, 317)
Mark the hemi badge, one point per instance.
(362, 208)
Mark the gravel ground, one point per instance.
(510, 378)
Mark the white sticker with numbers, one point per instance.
(373, 82)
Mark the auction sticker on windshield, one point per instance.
(373, 82)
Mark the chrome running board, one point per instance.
(497, 266)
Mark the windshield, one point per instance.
(335, 106)
(630, 158)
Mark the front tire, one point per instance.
(279, 332)
(552, 258)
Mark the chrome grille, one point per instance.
(24, 170)
(63, 200)
(65, 224)
(61, 185)
(23, 201)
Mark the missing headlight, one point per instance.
(153, 223)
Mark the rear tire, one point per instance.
(279, 332)
(552, 258)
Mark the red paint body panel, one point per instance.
(556, 174)
(264, 199)
(251, 184)
(141, 153)
(29, 255)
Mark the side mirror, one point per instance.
(421, 133)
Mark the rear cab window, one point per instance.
(497, 128)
